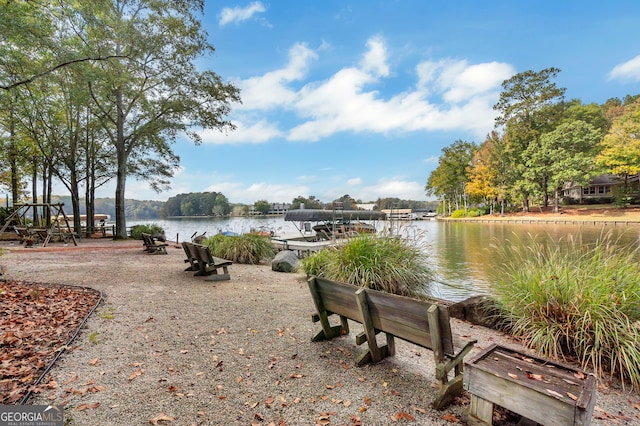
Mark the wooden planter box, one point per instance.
(537, 389)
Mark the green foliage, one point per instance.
(262, 206)
(449, 179)
(389, 264)
(151, 228)
(459, 213)
(248, 249)
(317, 263)
(309, 203)
(476, 212)
(197, 204)
(568, 299)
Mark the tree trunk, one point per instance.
(121, 175)
(555, 200)
(525, 202)
(13, 158)
(34, 191)
(75, 203)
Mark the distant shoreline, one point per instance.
(604, 215)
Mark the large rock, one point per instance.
(476, 310)
(285, 261)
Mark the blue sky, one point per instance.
(359, 97)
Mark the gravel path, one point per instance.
(168, 348)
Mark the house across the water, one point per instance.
(601, 190)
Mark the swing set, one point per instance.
(59, 226)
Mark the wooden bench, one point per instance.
(153, 245)
(204, 263)
(419, 322)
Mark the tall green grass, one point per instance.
(384, 263)
(568, 299)
(249, 248)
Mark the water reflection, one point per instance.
(465, 254)
(462, 254)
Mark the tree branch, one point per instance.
(60, 65)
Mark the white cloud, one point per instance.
(394, 187)
(275, 193)
(629, 70)
(432, 160)
(239, 14)
(375, 60)
(354, 182)
(448, 95)
(271, 90)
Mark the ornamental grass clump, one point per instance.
(567, 299)
(248, 249)
(389, 264)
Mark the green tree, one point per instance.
(262, 206)
(152, 92)
(448, 181)
(309, 203)
(568, 152)
(529, 105)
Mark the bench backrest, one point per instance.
(190, 250)
(204, 254)
(401, 316)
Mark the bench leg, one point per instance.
(480, 412)
(218, 277)
(447, 392)
(327, 332)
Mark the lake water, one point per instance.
(460, 253)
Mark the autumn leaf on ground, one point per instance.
(402, 415)
(513, 376)
(83, 407)
(135, 374)
(94, 361)
(367, 401)
(451, 418)
(162, 417)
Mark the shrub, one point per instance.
(459, 213)
(476, 212)
(153, 229)
(246, 248)
(567, 299)
(384, 263)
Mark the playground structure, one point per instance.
(59, 222)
